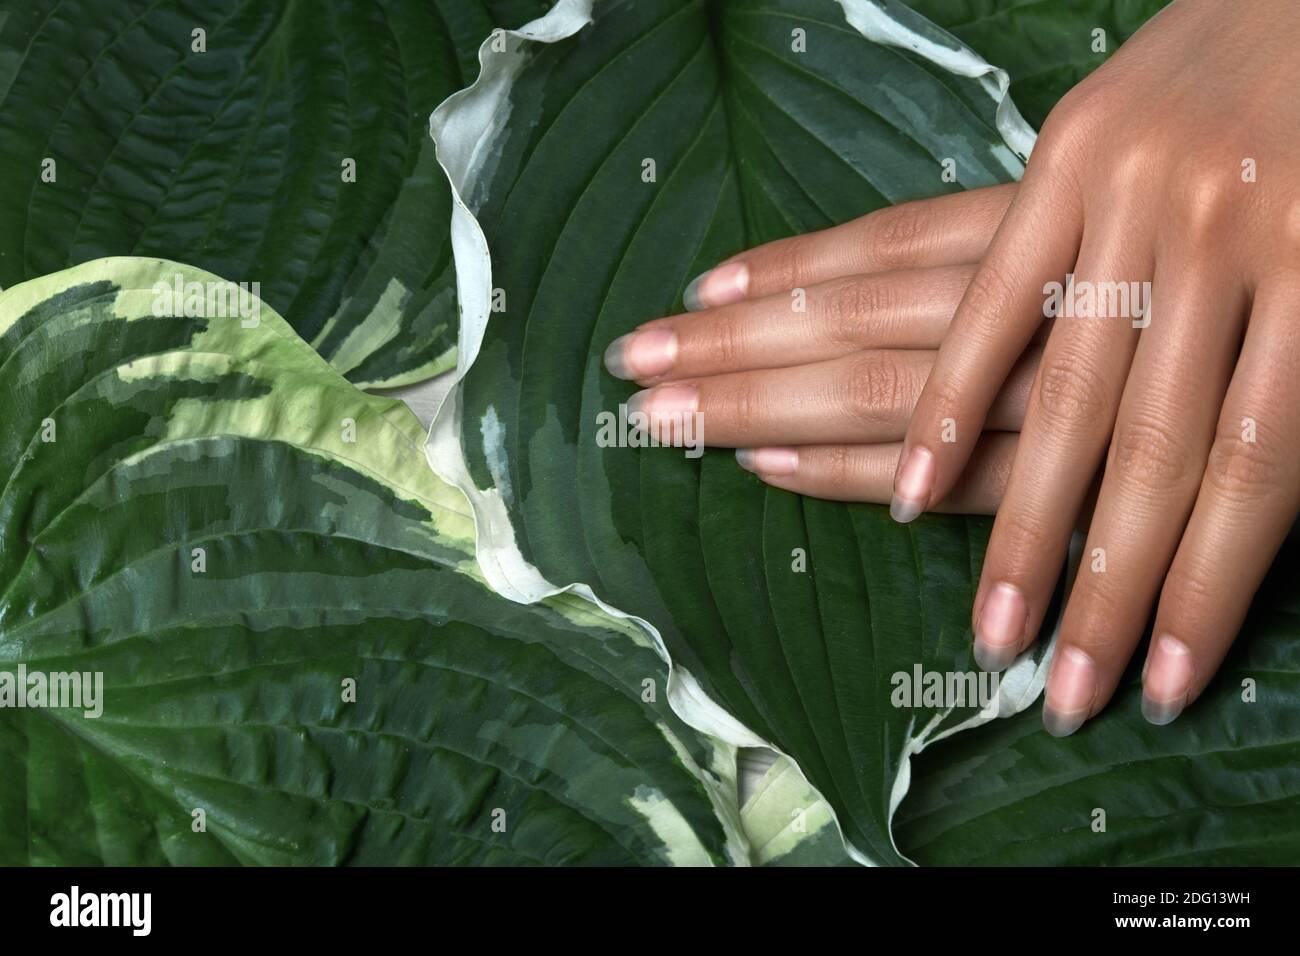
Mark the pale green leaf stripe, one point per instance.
(329, 553)
(789, 824)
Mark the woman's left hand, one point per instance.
(808, 355)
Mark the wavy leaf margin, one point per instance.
(464, 128)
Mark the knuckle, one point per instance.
(1204, 195)
(986, 313)
(850, 306)
(895, 234)
(1070, 392)
(876, 388)
(1289, 231)
(726, 344)
(1067, 130)
(988, 292)
(747, 404)
(1090, 107)
(1019, 540)
(1130, 167)
(1146, 453)
(785, 265)
(1243, 472)
(1080, 106)
(1054, 155)
(1189, 597)
(1095, 603)
(1191, 587)
(946, 399)
(1057, 146)
(837, 464)
(1067, 143)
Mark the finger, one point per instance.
(948, 230)
(998, 316)
(1247, 502)
(1067, 425)
(1156, 458)
(866, 472)
(858, 399)
(889, 310)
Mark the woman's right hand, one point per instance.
(808, 354)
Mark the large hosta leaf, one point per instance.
(751, 140)
(204, 512)
(1221, 785)
(233, 158)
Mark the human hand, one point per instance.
(1173, 165)
(816, 399)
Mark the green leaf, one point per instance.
(1046, 47)
(233, 158)
(203, 512)
(1219, 786)
(751, 140)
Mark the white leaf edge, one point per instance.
(464, 128)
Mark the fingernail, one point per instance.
(1167, 680)
(661, 411)
(1001, 628)
(1071, 689)
(642, 354)
(721, 285)
(774, 462)
(912, 486)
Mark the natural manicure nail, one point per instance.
(1071, 689)
(1000, 630)
(912, 486)
(769, 462)
(645, 354)
(1167, 680)
(661, 412)
(721, 285)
